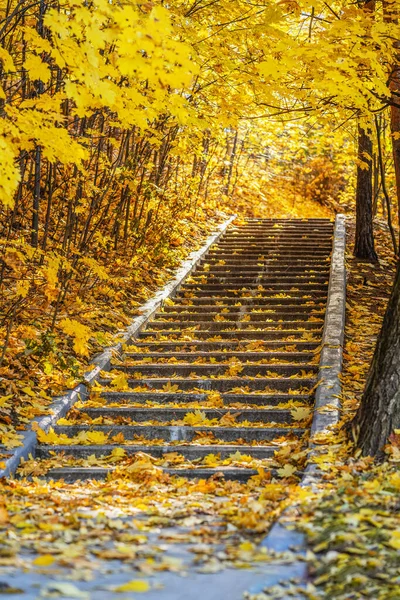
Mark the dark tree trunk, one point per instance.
(391, 15)
(364, 242)
(379, 412)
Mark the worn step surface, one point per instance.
(227, 368)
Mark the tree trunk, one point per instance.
(364, 242)
(379, 412)
(391, 15)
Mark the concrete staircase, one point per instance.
(222, 367)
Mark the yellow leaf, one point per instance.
(80, 333)
(286, 471)
(136, 585)
(211, 460)
(44, 561)
(29, 392)
(300, 413)
(394, 541)
(92, 437)
(4, 518)
(7, 60)
(37, 69)
(194, 418)
(246, 547)
(5, 399)
(22, 288)
(120, 382)
(47, 438)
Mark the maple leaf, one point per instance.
(197, 417)
(300, 413)
(211, 460)
(120, 382)
(79, 332)
(215, 399)
(93, 437)
(170, 387)
(229, 419)
(286, 471)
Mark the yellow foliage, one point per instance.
(80, 334)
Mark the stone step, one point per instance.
(204, 268)
(291, 299)
(181, 433)
(72, 474)
(273, 245)
(231, 346)
(258, 256)
(228, 399)
(239, 316)
(285, 336)
(227, 384)
(185, 370)
(189, 452)
(255, 285)
(190, 357)
(293, 258)
(177, 414)
(251, 309)
(237, 325)
(260, 278)
(260, 236)
(284, 225)
(310, 294)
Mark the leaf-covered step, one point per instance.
(254, 270)
(310, 293)
(225, 325)
(227, 370)
(161, 397)
(260, 239)
(263, 312)
(270, 301)
(272, 260)
(243, 315)
(221, 345)
(72, 474)
(284, 336)
(268, 248)
(231, 384)
(177, 433)
(191, 451)
(256, 285)
(209, 357)
(261, 279)
(188, 415)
